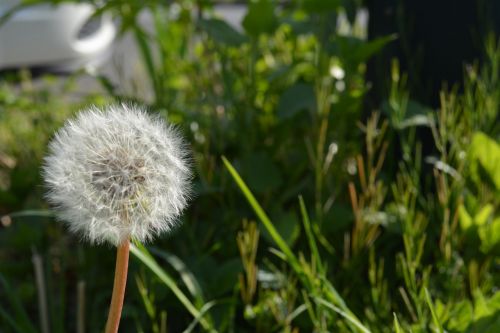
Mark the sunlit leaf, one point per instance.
(484, 154)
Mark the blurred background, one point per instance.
(366, 132)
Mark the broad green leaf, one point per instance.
(483, 316)
(486, 313)
(484, 154)
(260, 18)
(261, 173)
(357, 50)
(225, 276)
(320, 6)
(297, 98)
(484, 224)
(483, 215)
(460, 316)
(490, 236)
(222, 32)
(287, 225)
(465, 219)
(299, 25)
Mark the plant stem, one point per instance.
(42, 293)
(115, 310)
(80, 310)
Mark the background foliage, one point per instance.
(322, 216)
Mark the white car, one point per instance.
(62, 36)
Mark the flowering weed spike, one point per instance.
(116, 174)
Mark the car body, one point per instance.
(66, 35)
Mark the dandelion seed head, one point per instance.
(117, 173)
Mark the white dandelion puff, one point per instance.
(116, 174)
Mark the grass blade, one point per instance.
(310, 237)
(307, 280)
(292, 259)
(344, 314)
(186, 275)
(397, 327)
(21, 322)
(9, 320)
(433, 311)
(196, 320)
(145, 257)
(32, 213)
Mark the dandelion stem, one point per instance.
(120, 282)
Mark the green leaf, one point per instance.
(320, 6)
(464, 217)
(261, 172)
(484, 154)
(222, 32)
(490, 236)
(297, 98)
(483, 215)
(287, 225)
(484, 224)
(486, 313)
(357, 50)
(260, 18)
(225, 276)
(460, 316)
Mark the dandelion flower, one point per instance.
(117, 174)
